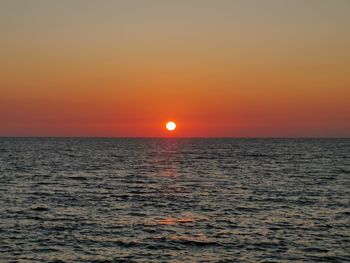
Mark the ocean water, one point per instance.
(174, 200)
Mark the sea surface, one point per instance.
(174, 200)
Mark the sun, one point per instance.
(170, 126)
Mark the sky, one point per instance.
(218, 68)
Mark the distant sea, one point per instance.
(174, 200)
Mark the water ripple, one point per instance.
(176, 200)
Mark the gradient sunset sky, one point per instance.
(270, 68)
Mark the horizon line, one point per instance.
(174, 137)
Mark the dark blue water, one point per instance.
(174, 200)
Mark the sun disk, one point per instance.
(170, 126)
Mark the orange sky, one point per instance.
(218, 68)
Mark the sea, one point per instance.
(174, 200)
